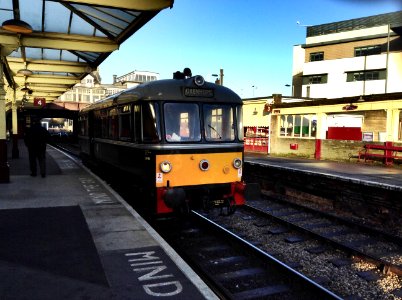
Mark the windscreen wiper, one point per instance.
(220, 137)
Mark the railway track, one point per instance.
(377, 247)
(234, 267)
(346, 258)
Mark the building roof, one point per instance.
(393, 18)
(69, 39)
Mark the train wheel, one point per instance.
(229, 206)
(185, 208)
(206, 204)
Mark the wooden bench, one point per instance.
(387, 152)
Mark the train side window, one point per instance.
(113, 125)
(150, 123)
(97, 124)
(218, 123)
(103, 124)
(137, 123)
(125, 122)
(83, 121)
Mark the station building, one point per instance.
(347, 93)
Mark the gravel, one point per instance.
(343, 280)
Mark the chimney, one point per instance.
(277, 98)
(114, 79)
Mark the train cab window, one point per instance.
(150, 123)
(218, 123)
(182, 122)
(125, 122)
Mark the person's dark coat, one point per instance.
(36, 138)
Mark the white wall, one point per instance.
(347, 34)
(338, 87)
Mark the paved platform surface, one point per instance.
(69, 236)
(357, 172)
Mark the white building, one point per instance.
(350, 58)
(136, 77)
(90, 89)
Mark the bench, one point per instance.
(388, 152)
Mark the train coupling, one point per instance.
(170, 199)
(228, 203)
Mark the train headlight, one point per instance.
(237, 163)
(165, 166)
(204, 165)
(199, 80)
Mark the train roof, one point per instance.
(187, 89)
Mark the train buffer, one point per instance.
(386, 151)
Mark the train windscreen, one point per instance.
(218, 122)
(182, 122)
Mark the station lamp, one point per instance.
(17, 26)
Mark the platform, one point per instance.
(388, 177)
(70, 236)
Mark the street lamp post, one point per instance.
(254, 88)
(217, 79)
(220, 79)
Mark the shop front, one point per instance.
(256, 126)
(256, 139)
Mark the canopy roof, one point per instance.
(69, 39)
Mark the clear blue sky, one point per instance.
(251, 40)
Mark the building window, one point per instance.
(316, 56)
(69, 96)
(368, 50)
(315, 79)
(298, 126)
(365, 75)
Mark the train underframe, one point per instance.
(225, 196)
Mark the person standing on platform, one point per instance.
(36, 138)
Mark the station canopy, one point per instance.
(47, 46)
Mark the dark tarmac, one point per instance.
(70, 236)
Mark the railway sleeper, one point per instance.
(263, 292)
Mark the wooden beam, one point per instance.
(48, 66)
(57, 80)
(73, 42)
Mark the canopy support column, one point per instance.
(4, 166)
(14, 116)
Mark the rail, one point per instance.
(387, 152)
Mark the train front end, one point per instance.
(201, 161)
(199, 179)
